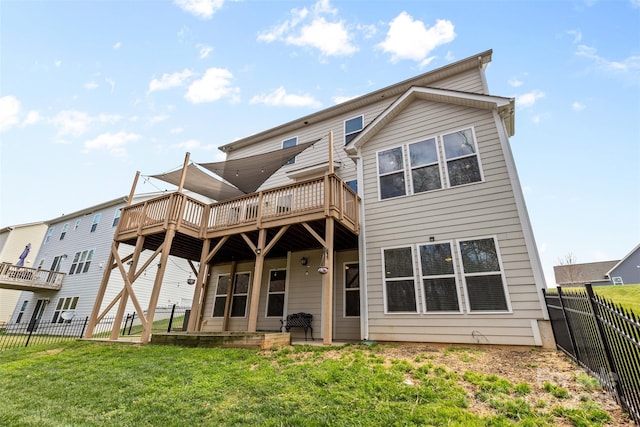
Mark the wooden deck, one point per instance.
(29, 279)
(297, 203)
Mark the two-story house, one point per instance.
(394, 216)
(68, 265)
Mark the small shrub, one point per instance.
(556, 390)
(522, 389)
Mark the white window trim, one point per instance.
(403, 169)
(215, 295)
(505, 287)
(286, 290)
(96, 221)
(248, 294)
(445, 160)
(344, 289)
(384, 280)
(47, 238)
(456, 276)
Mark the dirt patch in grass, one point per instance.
(548, 373)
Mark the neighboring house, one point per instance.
(13, 241)
(627, 271)
(407, 199)
(71, 260)
(580, 274)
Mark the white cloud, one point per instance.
(410, 39)
(168, 81)
(311, 29)
(33, 117)
(111, 83)
(204, 50)
(629, 65)
(9, 112)
(214, 85)
(57, 63)
(200, 8)
(529, 98)
(71, 122)
(77, 123)
(340, 99)
(514, 82)
(280, 97)
(193, 144)
(635, 3)
(117, 46)
(90, 85)
(158, 119)
(578, 106)
(576, 34)
(330, 38)
(114, 143)
(176, 130)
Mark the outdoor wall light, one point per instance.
(258, 250)
(304, 260)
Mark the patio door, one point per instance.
(347, 303)
(37, 315)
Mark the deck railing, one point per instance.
(26, 278)
(326, 195)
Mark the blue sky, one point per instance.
(91, 92)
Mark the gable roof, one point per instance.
(505, 107)
(590, 272)
(623, 259)
(425, 79)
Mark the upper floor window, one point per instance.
(462, 157)
(425, 168)
(116, 217)
(81, 262)
(391, 173)
(49, 234)
(96, 221)
(76, 225)
(291, 142)
(352, 128)
(65, 227)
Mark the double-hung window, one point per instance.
(425, 168)
(65, 227)
(96, 221)
(239, 295)
(64, 304)
(275, 297)
(483, 276)
(291, 142)
(461, 155)
(439, 285)
(116, 217)
(399, 280)
(81, 262)
(391, 173)
(352, 128)
(49, 234)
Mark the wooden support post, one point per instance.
(201, 280)
(124, 298)
(157, 284)
(93, 319)
(252, 323)
(327, 286)
(183, 177)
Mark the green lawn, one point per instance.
(97, 384)
(626, 295)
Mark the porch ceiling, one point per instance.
(297, 238)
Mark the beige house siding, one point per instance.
(344, 328)
(484, 209)
(12, 242)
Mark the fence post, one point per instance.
(569, 328)
(133, 316)
(84, 326)
(605, 342)
(173, 310)
(29, 337)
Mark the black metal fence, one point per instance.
(14, 335)
(602, 337)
